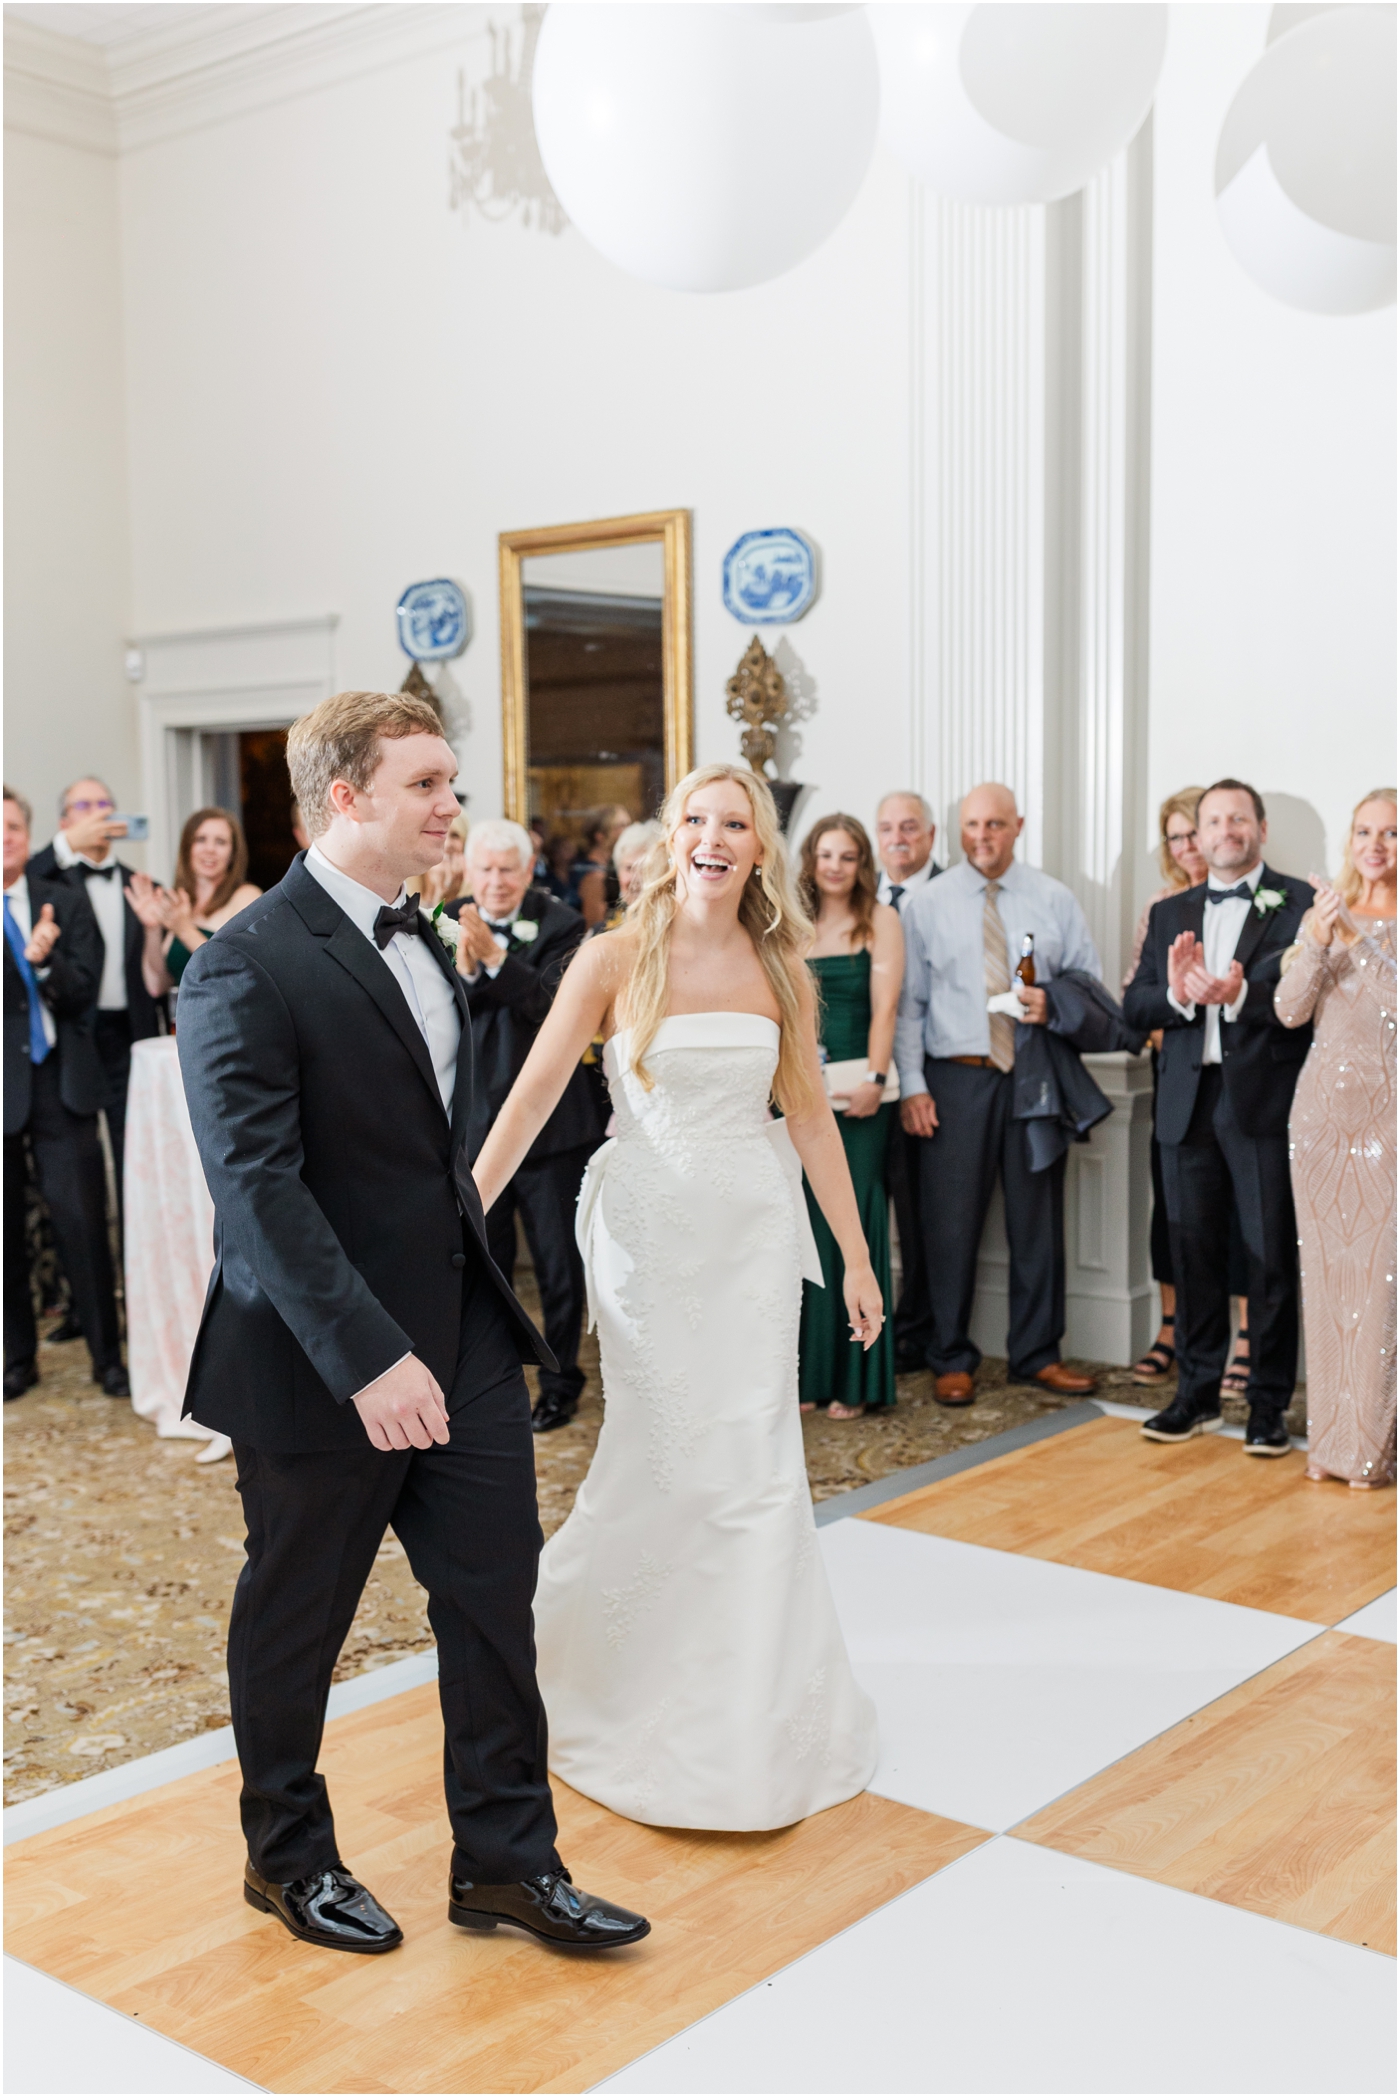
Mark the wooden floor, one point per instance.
(141, 1907)
(1202, 1518)
(1280, 1797)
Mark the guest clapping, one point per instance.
(53, 1092)
(209, 890)
(515, 942)
(857, 959)
(965, 933)
(1209, 969)
(1342, 978)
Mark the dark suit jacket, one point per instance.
(1260, 1058)
(508, 1011)
(341, 1193)
(147, 1013)
(69, 989)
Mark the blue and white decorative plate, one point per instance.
(769, 578)
(434, 621)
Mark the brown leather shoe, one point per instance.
(955, 1389)
(1066, 1383)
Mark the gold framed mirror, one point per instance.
(597, 691)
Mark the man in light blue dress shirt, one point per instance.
(963, 937)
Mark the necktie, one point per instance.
(392, 920)
(997, 976)
(896, 891)
(95, 873)
(1241, 889)
(38, 1039)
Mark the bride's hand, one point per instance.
(865, 1307)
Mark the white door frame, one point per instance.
(214, 681)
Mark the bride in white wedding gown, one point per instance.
(690, 1658)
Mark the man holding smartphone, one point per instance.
(82, 856)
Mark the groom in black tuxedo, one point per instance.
(1210, 966)
(358, 1343)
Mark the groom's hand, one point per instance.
(403, 1408)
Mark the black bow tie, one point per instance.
(493, 926)
(390, 921)
(95, 873)
(1241, 889)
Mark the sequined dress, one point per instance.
(691, 1662)
(1342, 1145)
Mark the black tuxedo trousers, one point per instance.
(466, 1516)
(1216, 1168)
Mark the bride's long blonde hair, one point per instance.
(770, 911)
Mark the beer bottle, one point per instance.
(1025, 967)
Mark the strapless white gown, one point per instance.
(692, 1665)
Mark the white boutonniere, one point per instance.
(1267, 899)
(526, 929)
(447, 929)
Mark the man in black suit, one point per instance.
(1210, 965)
(904, 835)
(515, 943)
(328, 1067)
(81, 856)
(53, 1089)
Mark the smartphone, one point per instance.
(138, 828)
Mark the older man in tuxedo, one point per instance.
(515, 941)
(82, 856)
(1226, 1074)
(53, 1090)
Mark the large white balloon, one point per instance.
(705, 147)
(1003, 103)
(1305, 170)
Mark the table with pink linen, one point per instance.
(169, 1235)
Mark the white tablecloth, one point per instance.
(169, 1234)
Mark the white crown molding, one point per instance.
(233, 59)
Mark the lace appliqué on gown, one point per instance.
(692, 1665)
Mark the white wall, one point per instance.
(1273, 513)
(68, 706)
(339, 386)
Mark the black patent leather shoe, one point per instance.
(19, 1378)
(1181, 1419)
(1266, 1435)
(551, 1411)
(549, 1906)
(327, 1907)
(113, 1380)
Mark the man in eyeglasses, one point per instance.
(81, 856)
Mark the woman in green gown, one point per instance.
(857, 959)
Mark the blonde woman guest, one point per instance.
(446, 881)
(629, 860)
(689, 1651)
(857, 961)
(1342, 1149)
(209, 888)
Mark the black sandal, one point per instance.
(1235, 1382)
(1158, 1362)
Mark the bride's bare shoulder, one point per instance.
(607, 957)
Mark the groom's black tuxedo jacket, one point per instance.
(1260, 1057)
(341, 1193)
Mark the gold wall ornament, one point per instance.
(757, 695)
(669, 529)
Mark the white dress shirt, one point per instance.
(910, 882)
(943, 1006)
(1220, 935)
(18, 900)
(109, 908)
(424, 985)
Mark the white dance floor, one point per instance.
(1001, 1682)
